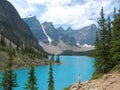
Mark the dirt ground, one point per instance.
(107, 82)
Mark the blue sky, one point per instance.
(65, 13)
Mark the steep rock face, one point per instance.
(58, 34)
(36, 28)
(47, 33)
(66, 38)
(85, 35)
(60, 40)
(51, 32)
(13, 27)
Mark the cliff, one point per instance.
(13, 27)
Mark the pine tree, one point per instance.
(45, 55)
(52, 58)
(115, 43)
(4, 83)
(58, 59)
(109, 30)
(97, 53)
(51, 79)
(101, 52)
(22, 47)
(115, 14)
(3, 43)
(108, 43)
(32, 81)
(9, 77)
(17, 47)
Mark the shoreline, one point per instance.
(34, 62)
(110, 81)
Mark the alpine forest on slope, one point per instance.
(107, 44)
(9, 77)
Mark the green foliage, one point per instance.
(97, 75)
(116, 68)
(9, 77)
(32, 81)
(115, 43)
(2, 41)
(109, 31)
(115, 14)
(101, 52)
(52, 58)
(67, 88)
(58, 59)
(51, 79)
(107, 44)
(32, 52)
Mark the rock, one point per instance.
(13, 27)
(111, 83)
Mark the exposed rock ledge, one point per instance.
(107, 82)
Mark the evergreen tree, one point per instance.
(22, 47)
(9, 77)
(115, 43)
(0, 40)
(58, 59)
(45, 55)
(51, 79)
(38, 53)
(97, 53)
(109, 30)
(115, 14)
(3, 41)
(101, 52)
(10, 45)
(52, 58)
(32, 81)
(108, 43)
(17, 47)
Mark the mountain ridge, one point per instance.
(58, 38)
(13, 27)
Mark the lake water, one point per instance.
(64, 74)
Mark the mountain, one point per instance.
(51, 32)
(58, 40)
(36, 28)
(85, 35)
(13, 27)
(47, 33)
(58, 34)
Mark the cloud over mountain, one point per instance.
(74, 13)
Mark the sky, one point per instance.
(66, 13)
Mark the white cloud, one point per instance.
(66, 11)
(23, 7)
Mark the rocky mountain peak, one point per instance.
(60, 29)
(36, 28)
(61, 38)
(69, 29)
(12, 26)
(48, 24)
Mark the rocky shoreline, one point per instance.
(21, 61)
(109, 81)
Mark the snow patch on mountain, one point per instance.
(78, 44)
(49, 39)
(29, 16)
(86, 45)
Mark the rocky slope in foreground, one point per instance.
(109, 81)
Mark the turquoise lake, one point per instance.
(64, 74)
